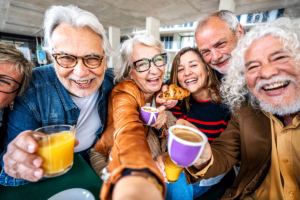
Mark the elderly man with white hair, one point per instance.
(262, 89)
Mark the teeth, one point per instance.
(153, 79)
(275, 85)
(83, 82)
(191, 80)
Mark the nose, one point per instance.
(153, 69)
(187, 71)
(80, 69)
(216, 55)
(267, 71)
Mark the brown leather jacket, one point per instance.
(247, 138)
(127, 134)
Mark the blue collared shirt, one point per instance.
(47, 102)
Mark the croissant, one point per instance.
(175, 93)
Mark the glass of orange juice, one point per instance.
(172, 170)
(56, 147)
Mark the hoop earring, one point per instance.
(11, 105)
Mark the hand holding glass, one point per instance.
(56, 147)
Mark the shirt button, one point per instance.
(283, 131)
(291, 193)
(285, 160)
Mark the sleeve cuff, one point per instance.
(196, 173)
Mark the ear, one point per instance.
(105, 63)
(239, 31)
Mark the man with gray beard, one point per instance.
(262, 89)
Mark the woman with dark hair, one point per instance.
(203, 108)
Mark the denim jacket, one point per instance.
(47, 102)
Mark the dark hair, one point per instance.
(213, 84)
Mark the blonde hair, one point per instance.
(9, 54)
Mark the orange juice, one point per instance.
(172, 170)
(57, 151)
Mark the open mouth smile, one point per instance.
(276, 86)
(191, 81)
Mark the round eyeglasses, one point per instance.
(70, 61)
(8, 85)
(144, 64)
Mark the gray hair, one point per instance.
(9, 54)
(75, 17)
(227, 16)
(122, 68)
(235, 90)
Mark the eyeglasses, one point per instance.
(70, 61)
(8, 85)
(144, 64)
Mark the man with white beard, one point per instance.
(262, 89)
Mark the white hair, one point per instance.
(235, 90)
(75, 17)
(122, 68)
(227, 16)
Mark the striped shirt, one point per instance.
(207, 116)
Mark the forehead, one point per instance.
(143, 51)
(263, 48)
(213, 31)
(189, 56)
(8, 69)
(76, 41)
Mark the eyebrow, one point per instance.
(216, 44)
(189, 62)
(89, 54)
(277, 52)
(272, 54)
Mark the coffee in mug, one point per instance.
(149, 109)
(187, 135)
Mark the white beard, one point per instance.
(281, 108)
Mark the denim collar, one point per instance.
(64, 94)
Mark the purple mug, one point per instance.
(149, 117)
(185, 153)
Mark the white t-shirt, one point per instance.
(88, 122)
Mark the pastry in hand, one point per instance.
(175, 93)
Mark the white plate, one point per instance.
(73, 194)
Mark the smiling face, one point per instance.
(79, 81)
(8, 70)
(151, 80)
(216, 41)
(192, 73)
(272, 77)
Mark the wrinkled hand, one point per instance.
(168, 104)
(20, 160)
(161, 119)
(206, 154)
(161, 166)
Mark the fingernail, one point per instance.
(38, 173)
(37, 162)
(30, 148)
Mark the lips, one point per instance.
(153, 80)
(274, 87)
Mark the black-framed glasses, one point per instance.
(70, 61)
(144, 64)
(8, 85)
